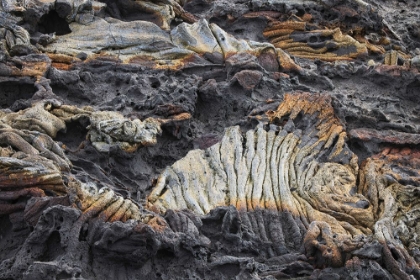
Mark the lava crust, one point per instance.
(200, 139)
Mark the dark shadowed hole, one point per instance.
(350, 119)
(83, 234)
(155, 83)
(54, 248)
(13, 91)
(52, 22)
(394, 253)
(313, 39)
(300, 13)
(74, 135)
(164, 253)
(234, 226)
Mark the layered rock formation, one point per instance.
(209, 139)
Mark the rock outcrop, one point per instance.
(209, 139)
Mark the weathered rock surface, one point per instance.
(209, 139)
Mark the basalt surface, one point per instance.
(200, 139)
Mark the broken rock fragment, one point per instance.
(248, 79)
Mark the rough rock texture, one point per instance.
(202, 139)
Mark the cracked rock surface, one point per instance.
(202, 139)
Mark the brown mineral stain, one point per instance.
(158, 224)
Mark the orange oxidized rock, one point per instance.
(299, 40)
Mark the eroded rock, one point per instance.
(302, 167)
(99, 98)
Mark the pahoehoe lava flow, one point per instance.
(209, 139)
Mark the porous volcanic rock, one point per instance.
(199, 139)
